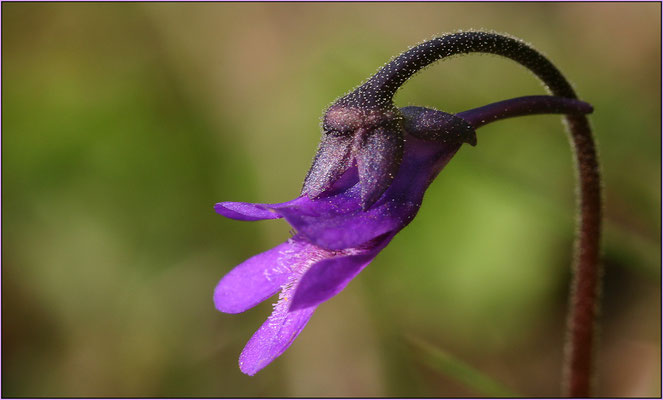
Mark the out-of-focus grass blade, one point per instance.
(459, 370)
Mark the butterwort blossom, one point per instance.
(367, 182)
(336, 238)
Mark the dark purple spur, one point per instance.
(367, 182)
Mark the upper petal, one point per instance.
(336, 219)
(245, 211)
(251, 211)
(254, 280)
(339, 223)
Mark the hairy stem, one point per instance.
(584, 301)
(378, 92)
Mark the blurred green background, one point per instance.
(124, 123)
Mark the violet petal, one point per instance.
(275, 335)
(328, 277)
(252, 211)
(333, 229)
(245, 211)
(254, 280)
(338, 221)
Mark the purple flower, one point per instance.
(335, 240)
(367, 182)
(336, 237)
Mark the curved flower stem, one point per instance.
(522, 106)
(378, 92)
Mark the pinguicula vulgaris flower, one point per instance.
(336, 238)
(367, 182)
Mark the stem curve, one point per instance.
(378, 92)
